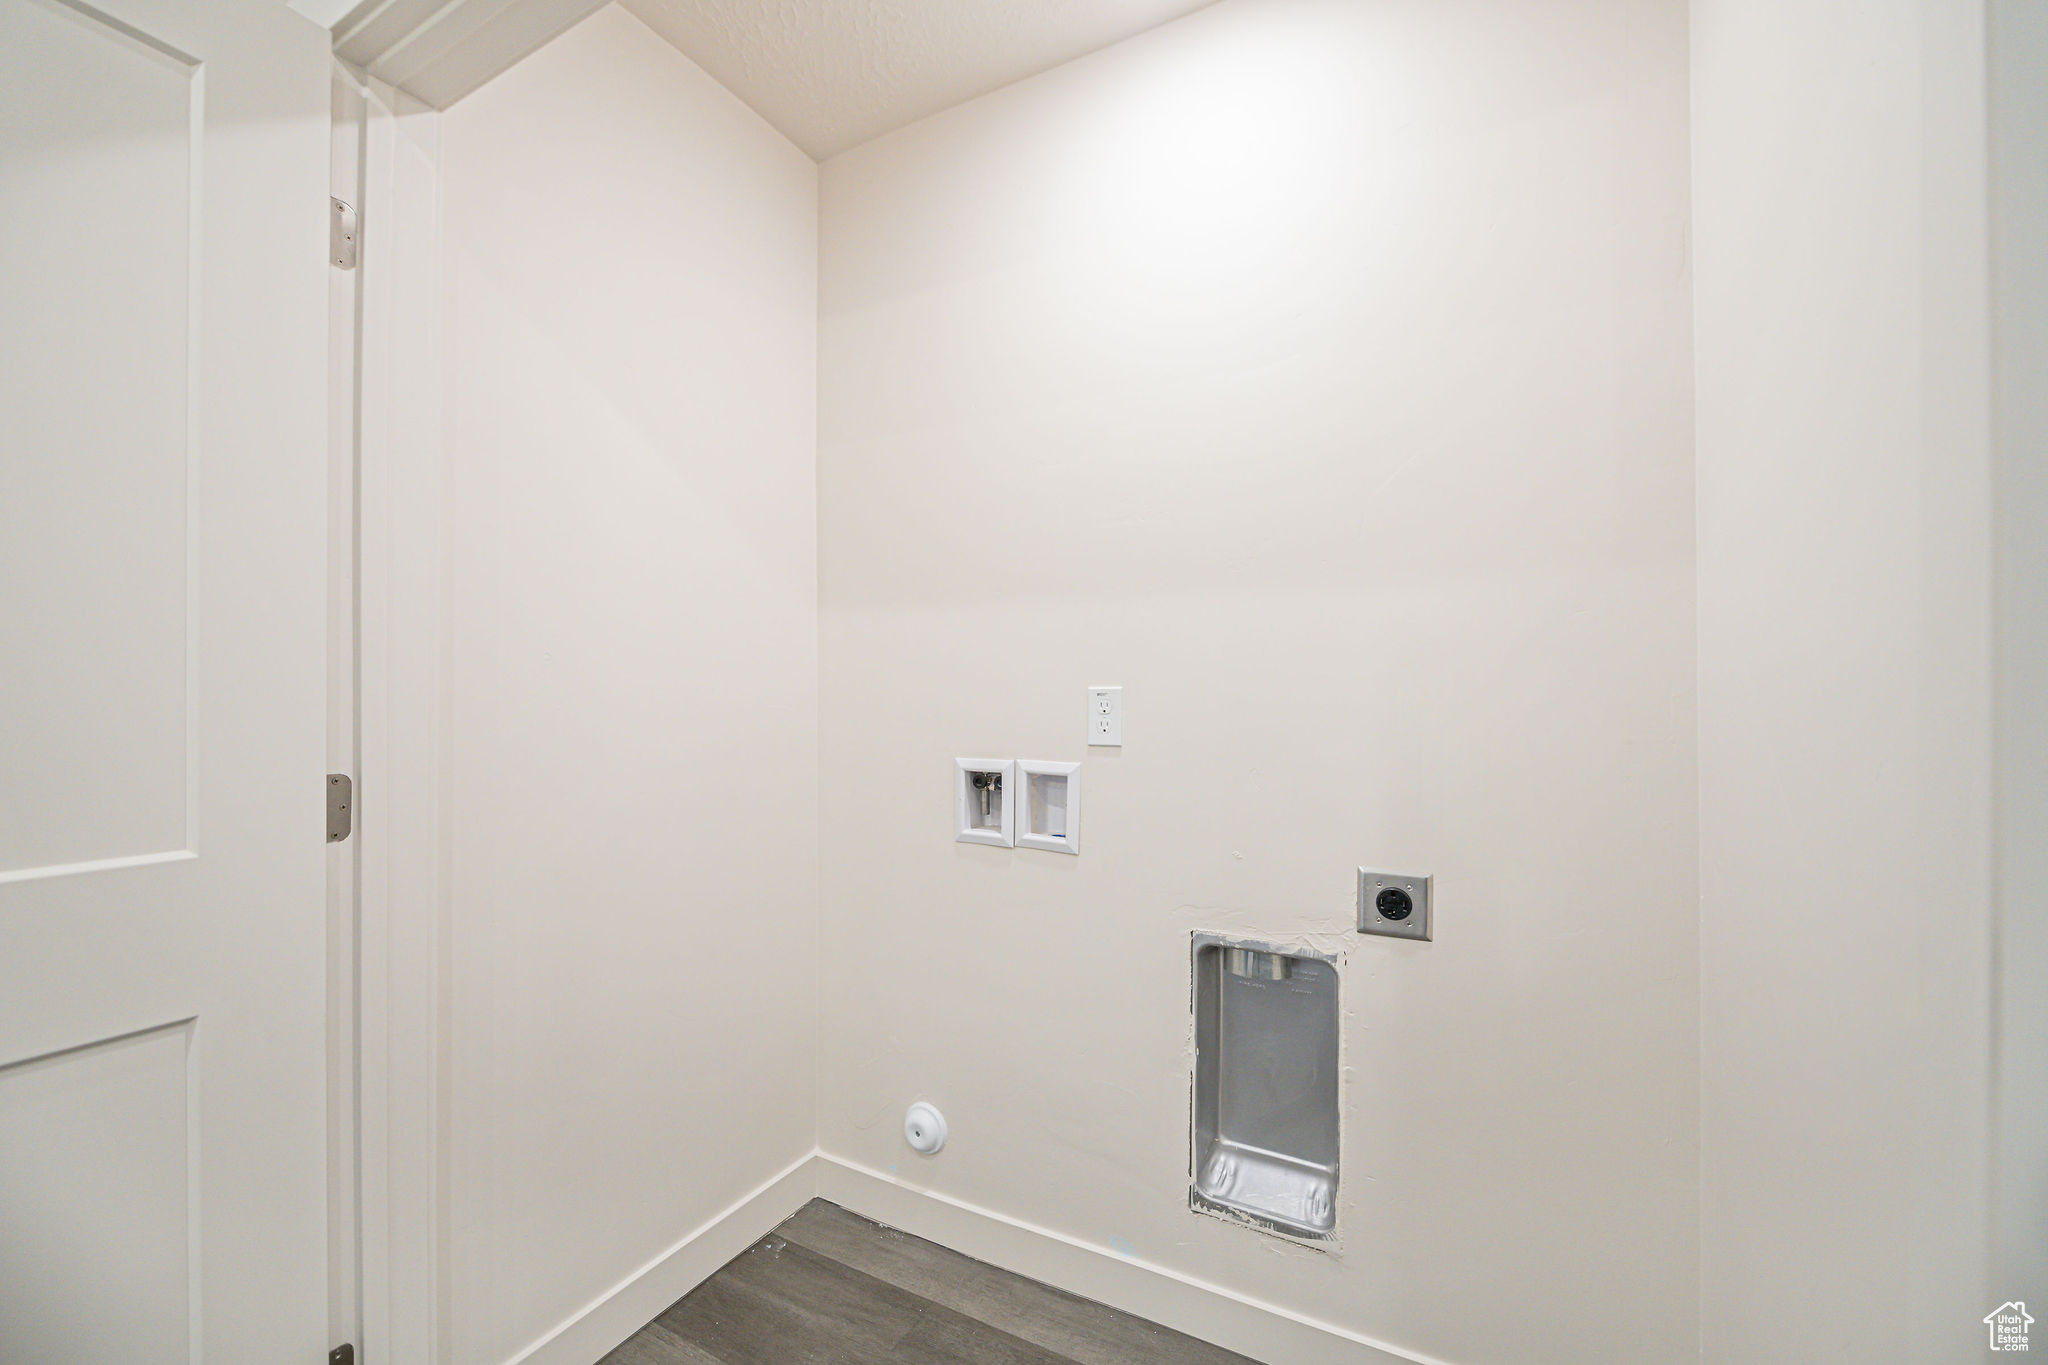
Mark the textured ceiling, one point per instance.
(833, 73)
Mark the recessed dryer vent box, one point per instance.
(1266, 1086)
(1049, 806)
(984, 806)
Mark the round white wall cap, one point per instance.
(924, 1128)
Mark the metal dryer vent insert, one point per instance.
(1263, 1130)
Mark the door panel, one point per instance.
(99, 164)
(99, 1169)
(162, 685)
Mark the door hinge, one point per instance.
(341, 234)
(344, 1354)
(341, 800)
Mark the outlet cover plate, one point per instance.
(1372, 882)
(1105, 717)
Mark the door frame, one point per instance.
(388, 894)
(345, 176)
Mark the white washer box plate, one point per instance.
(985, 814)
(1049, 805)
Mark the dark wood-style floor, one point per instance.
(830, 1288)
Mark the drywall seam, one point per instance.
(1157, 1293)
(633, 1302)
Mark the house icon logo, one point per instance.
(2007, 1325)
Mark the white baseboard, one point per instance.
(1225, 1317)
(635, 1301)
(1222, 1316)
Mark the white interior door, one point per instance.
(163, 207)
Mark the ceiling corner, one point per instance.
(440, 50)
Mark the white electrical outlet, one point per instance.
(1106, 716)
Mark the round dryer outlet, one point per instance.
(924, 1128)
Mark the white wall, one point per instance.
(1845, 750)
(2019, 145)
(631, 312)
(1320, 372)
